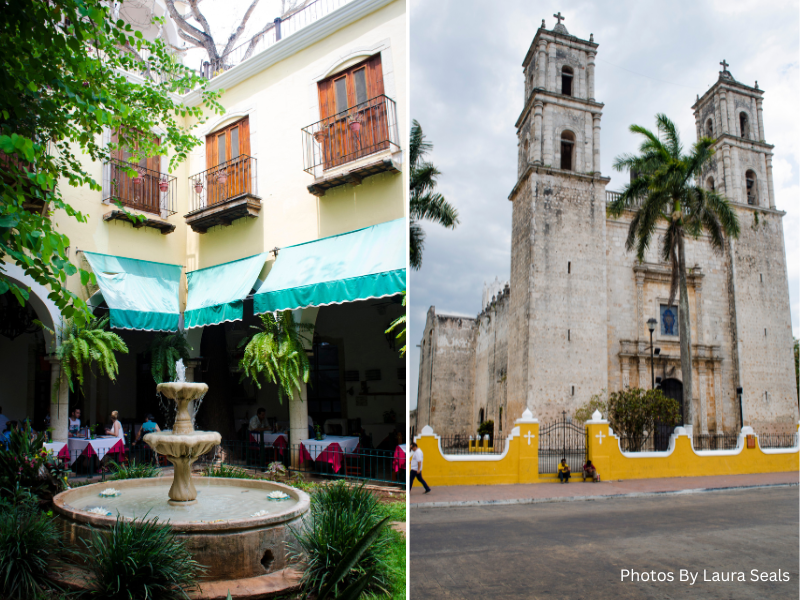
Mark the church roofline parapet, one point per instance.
(548, 97)
(762, 209)
(641, 349)
(548, 35)
(594, 177)
(729, 85)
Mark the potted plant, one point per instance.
(318, 435)
(198, 187)
(163, 185)
(320, 136)
(222, 177)
(354, 122)
(165, 350)
(137, 180)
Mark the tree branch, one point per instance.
(198, 38)
(240, 29)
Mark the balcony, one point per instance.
(150, 192)
(330, 145)
(222, 194)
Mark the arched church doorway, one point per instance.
(671, 388)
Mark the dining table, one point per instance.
(279, 441)
(101, 447)
(332, 449)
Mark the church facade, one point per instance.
(573, 319)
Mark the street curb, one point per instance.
(513, 501)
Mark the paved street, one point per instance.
(578, 549)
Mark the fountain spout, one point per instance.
(181, 371)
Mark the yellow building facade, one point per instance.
(312, 145)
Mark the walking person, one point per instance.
(416, 467)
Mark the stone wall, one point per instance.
(491, 362)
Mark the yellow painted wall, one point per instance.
(520, 463)
(681, 460)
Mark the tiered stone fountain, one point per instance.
(229, 525)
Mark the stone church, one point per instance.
(573, 320)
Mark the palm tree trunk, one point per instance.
(685, 327)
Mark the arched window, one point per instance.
(525, 149)
(710, 183)
(710, 128)
(752, 188)
(566, 81)
(744, 126)
(567, 149)
(480, 418)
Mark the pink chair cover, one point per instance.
(399, 461)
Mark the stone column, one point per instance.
(191, 365)
(726, 165)
(538, 106)
(760, 112)
(699, 125)
(59, 409)
(733, 122)
(720, 414)
(626, 373)
(723, 107)
(644, 373)
(698, 307)
(298, 423)
(581, 75)
(551, 67)
(701, 384)
(590, 76)
(639, 305)
(737, 177)
(596, 142)
(541, 66)
(547, 136)
(588, 156)
(770, 189)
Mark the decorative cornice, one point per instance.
(663, 274)
(309, 35)
(641, 349)
(551, 171)
(559, 99)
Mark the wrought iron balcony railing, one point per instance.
(283, 28)
(147, 190)
(352, 134)
(232, 179)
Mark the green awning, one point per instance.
(216, 293)
(140, 294)
(361, 264)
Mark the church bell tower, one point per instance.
(558, 266)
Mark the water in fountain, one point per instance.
(181, 371)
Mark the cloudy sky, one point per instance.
(467, 92)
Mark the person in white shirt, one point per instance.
(258, 422)
(75, 420)
(116, 427)
(416, 467)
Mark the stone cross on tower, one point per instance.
(724, 64)
(559, 17)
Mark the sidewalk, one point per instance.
(478, 495)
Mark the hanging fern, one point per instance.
(165, 350)
(82, 345)
(401, 335)
(276, 351)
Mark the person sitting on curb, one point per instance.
(590, 472)
(563, 471)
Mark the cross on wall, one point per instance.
(600, 437)
(559, 17)
(724, 64)
(530, 436)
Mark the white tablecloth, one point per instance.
(101, 446)
(269, 438)
(317, 447)
(403, 448)
(55, 447)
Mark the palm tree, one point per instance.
(425, 202)
(664, 191)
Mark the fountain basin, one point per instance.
(218, 530)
